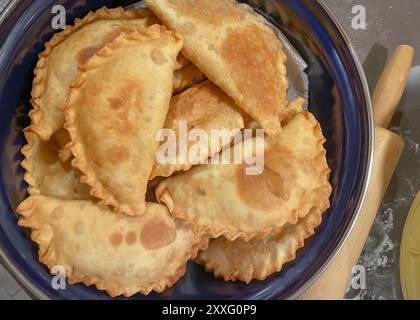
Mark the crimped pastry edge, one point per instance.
(97, 189)
(251, 272)
(40, 72)
(47, 257)
(273, 130)
(164, 196)
(27, 164)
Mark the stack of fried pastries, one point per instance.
(101, 205)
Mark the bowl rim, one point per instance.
(371, 137)
(18, 275)
(27, 284)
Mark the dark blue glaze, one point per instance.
(337, 98)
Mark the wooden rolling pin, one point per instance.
(334, 282)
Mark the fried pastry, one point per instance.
(224, 200)
(46, 174)
(234, 48)
(186, 77)
(181, 62)
(119, 254)
(205, 107)
(294, 107)
(186, 74)
(66, 51)
(258, 259)
(59, 142)
(115, 109)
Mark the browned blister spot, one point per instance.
(121, 106)
(156, 234)
(203, 188)
(117, 154)
(57, 213)
(116, 239)
(130, 238)
(253, 64)
(276, 184)
(116, 103)
(261, 192)
(129, 95)
(158, 57)
(201, 191)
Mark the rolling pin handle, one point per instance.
(391, 85)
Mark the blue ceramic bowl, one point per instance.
(339, 98)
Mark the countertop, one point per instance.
(389, 23)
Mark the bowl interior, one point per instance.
(337, 98)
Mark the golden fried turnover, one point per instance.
(294, 107)
(186, 77)
(46, 174)
(226, 200)
(66, 51)
(258, 259)
(234, 48)
(203, 107)
(115, 109)
(119, 254)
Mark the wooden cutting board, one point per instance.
(334, 282)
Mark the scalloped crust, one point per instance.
(258, 259)
(35, 213)
(41, 70)
(47, 174)
(98, 190)
(26, 164)
(232, 232)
